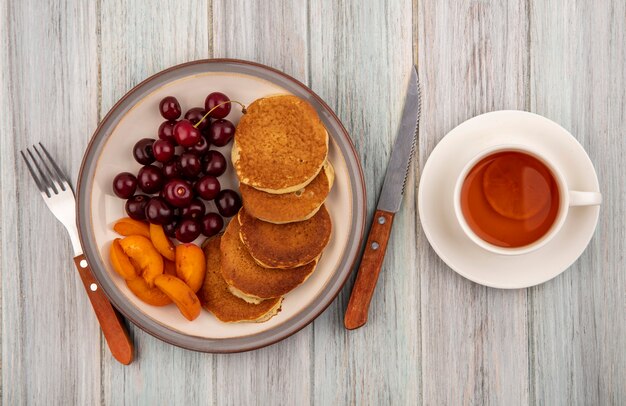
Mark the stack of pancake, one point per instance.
(274, 243)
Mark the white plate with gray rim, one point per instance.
(136, 116)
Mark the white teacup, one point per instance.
(567, 199)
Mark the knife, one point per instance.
(388, 205)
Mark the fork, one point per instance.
(59, 197)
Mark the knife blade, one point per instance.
(403, 149)
(389, 203)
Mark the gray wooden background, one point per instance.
(433, 337)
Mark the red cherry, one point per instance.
(201, 148)
(188, 230)
(214, 163)
(185, 133)
(215, 99)
(166, 130)
(207, 187)
(158, 212)
(170, 108)
(136, 207)
(142, 151)
(195, 115)
(150, 179)
(194, 211)
(221, 132)
(190, 165)
(170, 229)
(212, 224)
(178, 193)
(171, 169)
(124, 185)
(163, 150)
(228, 203)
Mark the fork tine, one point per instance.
(45, 181)
(38, 181)
(51, 176)
(59, 172)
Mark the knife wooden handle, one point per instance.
(372, 261)
(110, 321)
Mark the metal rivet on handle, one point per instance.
(375, 245)
(83, 263)
(93, 287)
(381, 220)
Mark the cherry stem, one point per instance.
(243, 110)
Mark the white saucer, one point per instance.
(436, 208)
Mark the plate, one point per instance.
(136, 116)
(436, 208)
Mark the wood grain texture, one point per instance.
(50, 95)
(137, 40)
(368, 271)
(578, 323)
(271, 32)
(473, 59)
(361, 59)
(432, 337)
(275, 33)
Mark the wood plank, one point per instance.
(7, 123)
(361, 58)
(273, 33)
(578, 345)
(49, 94)
(136, 42)
(139, 40)
(473, 58)
(270, 32)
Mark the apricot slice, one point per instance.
(144, 257)
(152, 296)
(120, 261)
(516, 187)
(190, 265)
(184, 298)
(169, 267)
(161, 242)
(127, 226)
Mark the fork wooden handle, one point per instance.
(111, 322)
(372, 261)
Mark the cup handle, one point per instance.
(577, 198)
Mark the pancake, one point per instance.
(241, 271)
(280, 144)
(216, 297)
(243, 296)
(285, 245)
(289, 207)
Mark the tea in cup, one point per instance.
(511, 200)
